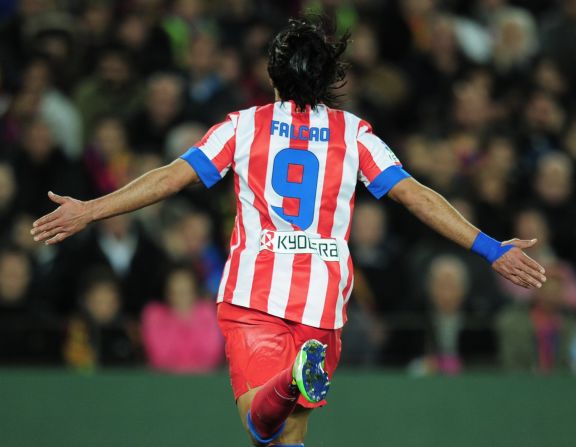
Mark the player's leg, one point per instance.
(296, 428)
(267, 408)
(261, 352)
(271, 406)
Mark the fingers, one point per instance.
(45, 219)
(528, 261)
(58, 238)
(532, 268)
(54, 222)
(535, 275)
(518, 281)
(41, 237)
(507, 272)
(527, 279)
(520, 243)
(56, 198)
(36, 232)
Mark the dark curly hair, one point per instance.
(304, 62)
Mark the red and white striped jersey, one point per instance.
(295, 175)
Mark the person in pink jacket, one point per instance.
(182, 335)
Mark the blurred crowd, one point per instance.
(476, 97)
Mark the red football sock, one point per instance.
(273, 403)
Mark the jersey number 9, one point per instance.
(295, 177)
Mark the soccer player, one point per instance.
(285, 286)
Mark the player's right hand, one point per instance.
(69, 218)
(518, 267)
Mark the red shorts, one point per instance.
(259, 346)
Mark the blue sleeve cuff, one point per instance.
(202, 165)
(386, 180)
(490, 249)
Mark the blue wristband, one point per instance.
(490, 249)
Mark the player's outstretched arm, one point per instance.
(507, 258)
(74, 215)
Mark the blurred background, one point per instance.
(476, 97)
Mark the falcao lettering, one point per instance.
(303, 133)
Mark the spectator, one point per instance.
(444, 171)
(7, 198)
(17, 324)
(114, 89)
(434, 70)
(558, 34)
(55, 108)
(447, 286)
(147, 42)
(492, 202)
(181, 335)
(382, 90)
(15, 31)
(473, 109)
(95, 32)
(256, 83)
(40, 159)
(495, 178)
(406, 28)
(182, 137)
(163, 110)
(99, 335)
(24, 107)
(19, 235)
(133, 258)
(124, 248)
(548, 78)
(544, 120)
(375, 294)
(532, 223)
(500, 157)
(447, 289)
(55, 40)
(537, 336)
(554, 189)
(26, 336)
(417, 149)
(205, 84)
(187, 18)
(108, 156)
(189, 240)
(515, 43)
(375, 250)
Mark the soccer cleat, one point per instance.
(308, 371)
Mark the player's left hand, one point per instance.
(518, 267)
(69, 218)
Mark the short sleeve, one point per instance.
(212, 156)
(379, 168)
